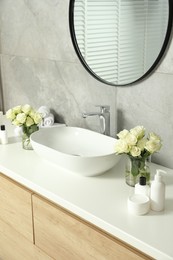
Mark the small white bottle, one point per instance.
(142, 187)
(3, 135)
(157, 194)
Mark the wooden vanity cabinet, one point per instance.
(16, 223)
(31, 227)
(15, 207)
(64, 236)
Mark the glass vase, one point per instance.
(27, 131)
(135, 168)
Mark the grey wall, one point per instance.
(150, 103)
(39, 66)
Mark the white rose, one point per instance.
(10, 114)
(153, 146)
(29, 121)
(135, 151)
(16, 123)
(21, 117)
(131, 139)
(32, 113)
(154, 137)
(138, 131)
(141, 143)
(121, 147)
(123, 134)
(26, 109)
(37, 118)
(17, 109)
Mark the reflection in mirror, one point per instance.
(119, 40)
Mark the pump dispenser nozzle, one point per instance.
(159, 174)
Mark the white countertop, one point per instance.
(101, 200)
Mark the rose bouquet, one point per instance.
(136, 144)
(27, 118)
(138, 147)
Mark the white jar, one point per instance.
(138, 204)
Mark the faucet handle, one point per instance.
(104, 108)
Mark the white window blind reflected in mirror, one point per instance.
(120, 39)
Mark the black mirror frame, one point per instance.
(150, 70)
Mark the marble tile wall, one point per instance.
(150, 103)
(39, 66)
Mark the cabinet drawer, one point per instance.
(15, 207)
(13, 246)
(65, 236)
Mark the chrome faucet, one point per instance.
(104, 116)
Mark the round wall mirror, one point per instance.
(120, 41)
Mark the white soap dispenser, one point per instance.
(157, 194)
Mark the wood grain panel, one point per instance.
(15, 207)
(64, 236)
(13, 246)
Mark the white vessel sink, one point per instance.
(76, 149)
